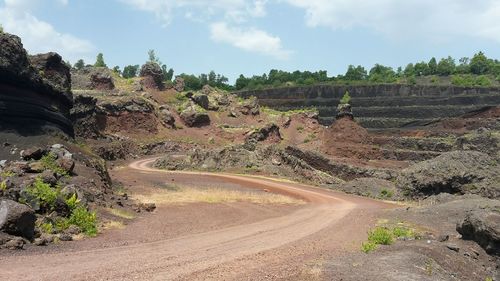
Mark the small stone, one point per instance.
(40, 241)
(73, 230)
(15, 244)
(453, 247)
(36, 167)
(148, 207)
(34, 153)
(65, 237)
(443, 238)
(57, 146)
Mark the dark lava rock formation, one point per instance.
(482, 226)
(35, 92)
(152, 76)
(382, 106)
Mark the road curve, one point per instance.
(175, 258)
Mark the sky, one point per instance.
(251, 37)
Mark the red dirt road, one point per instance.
(227, 252)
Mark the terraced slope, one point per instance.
(383, 106)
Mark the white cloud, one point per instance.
(397, 19)
(202, 10)
(251, 40)
(39, 36)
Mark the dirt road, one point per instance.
(199, 256)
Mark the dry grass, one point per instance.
(112, 225)
(185, 195)
(121, 213)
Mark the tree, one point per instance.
(191, 82)
(433, 66)
(100, 61)
(242, 82)
(380, 73)
(409, 70)
(79, 64)
(167, 74)
(463, 66)
(153, 58)
(355, 73)
(212, 78)
(130, 71)
(117, 70)
(446, 66)
(421, 69)
(479, 64)
(1, 28)
(346, 99)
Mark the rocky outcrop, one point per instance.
(270, 133)
(382, 106)
(93, 78)
(483, 227)
(152, 76)
(17, 219)
(84, 117)
(192, 116)
(35, 92)
(179, 84)
(456, 172)
(370, 187)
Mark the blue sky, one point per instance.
(250, 37)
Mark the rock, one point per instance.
(48, 176)
(443, 238)
(201, 100)
(456, 172)
(232, 113)
(36, 167)
(269, 132)
(3, 163)
(65, 237)
(101, 79)
(483, 227)
(453, 247)
(166, 116)
(344, 110)
(370, 187)
(73, 230)
(250, 106)
(42, 241)
(152, 76)
(53, 71)
(195, 118)
(34, 153)
(66, 164)
(15, 244)
(17, 219)
(148, 207)
(179, 84)
(287, 122)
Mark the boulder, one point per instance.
(101, 79)
(15, 243)
(34, 153)
(201, 100)
(195, 118)
(269, 132)
(250, 106)
(17, 219)
(54, 71)
(179, 84)
(483, 227)
(166, 116)
(152, 76)
(456, 172)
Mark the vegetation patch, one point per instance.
(49, 163)
(384, 235)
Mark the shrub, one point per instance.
(346, 98)
(385, 193)
(367, 247)
(47, 228)
(381, 236)
(72, 202)
(403, 232)
(49, 163)
(44, 193)
(85, 220)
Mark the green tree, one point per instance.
(446, 66)
(1, 28)
(191, 82)
(117, 70)
(479, 64)
(79, 64)
(100, 61)
(242, 82)
(346, 99)
(433, 67)
(421, 69)
(409, 70)
(355, 73)
(383, 74)
(463, 66)
(130, 71)
(153, 58)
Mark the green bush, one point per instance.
(44, 193)
(346, 99)
(483, 81)
(403, 232)
(72, 202)
(381, 236)
(49, 163)
(367, 247)
(85, 220)
(385, 193)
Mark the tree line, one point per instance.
(466, 72)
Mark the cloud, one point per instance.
(251, 40)
(438, 20)
(202, 10)
(39, 36)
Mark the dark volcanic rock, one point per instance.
(453, 172)
(195, 118)
(93, 78)
(152, 75)
(53, 71)
(483, 227)
(166, 116)
(269, 132)
(34, 153)
(17, 219)
(371, 187)
(84, 117)
(179, 84)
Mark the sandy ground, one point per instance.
(237, 241)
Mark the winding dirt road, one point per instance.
(199, 256)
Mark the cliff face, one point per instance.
(35, 91)
(382, 106)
